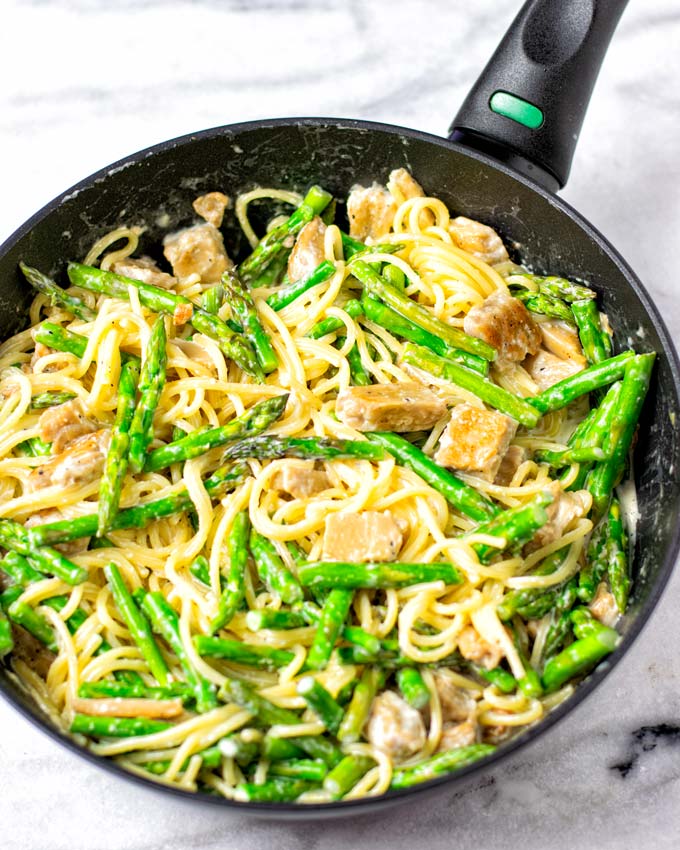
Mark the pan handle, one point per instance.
(527, 107)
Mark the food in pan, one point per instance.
(334, 520)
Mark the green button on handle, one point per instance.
(513, 107)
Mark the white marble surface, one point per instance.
(87, 81)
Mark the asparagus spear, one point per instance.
(271, 569)
(333, 616)
(315, 201)
(310, 448)
(255, 420)
(413, 687)
(606, 475)
(516, 599)
(537, 302)
(559, 287)
(212, 299)
(58, 297)
(212, 758)
(462, 496)
(46, 560)
(595, 341)
(561, 625)
(137, 624)
(161, 301)
(387, 318)
(516, 525)
(106, 688)
(436, 765)
(594, 377)
(116, 462)
(579, 657)
(358, 374)
(151, 383)
(234, 589)
(267, 619)
(279, 749)
(35, 447)
(25, 615)
(242, 751)
(277, 789)
(330, 324)
(596, 563)
(337, 575)
(49, 399)
(321, 702)
(165, 622)
(504, 681)
(346, 774)
(352, 634)
(226, 478)
(264, 657)
(54, 336)
(116, 727)
(18, 569)
(6, 641)
(313, 770)
(418, 314)
(244, 311)
(353, 247)
(288, 293)
(619, 578)
(486, 390)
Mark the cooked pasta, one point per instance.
(330, 522)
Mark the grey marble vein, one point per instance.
(85, 82)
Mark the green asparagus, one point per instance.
(57, 296)
(245, 312)
(234, 588)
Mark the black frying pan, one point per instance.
(499, 168)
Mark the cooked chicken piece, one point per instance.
(64, 423)
(475, 440)
(182, 314)
(457, 704)
(512, 460)
(461, 735)
(144, 269)
(370, 212)
(545, 369)
(80, 463)
(197, 250)
(368, 536)
(495, 734)
(403, 186)
(301, 480)
(129, 707)
(31, 651)
(395, 727)
(474, 648)
(506, 324)
(73, 547)
(389, 407)
(603, 607)
(308, 251)
(562, 511)
(562, 340)
(211, 207)
(42, 351)
(478, 239)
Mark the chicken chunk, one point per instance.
(461, 735)
(603, 607)
(370, 212)
(474, 648)
(211, 207)
(545, 369)
(301, 480)
(41, 350)
(144, 269)
(561, 339)
(457, 704)
(80, 463)
(395, 727)
(475, 441)
(368, 536)
(72, 547)
(308, 250)
(389, 407)
(562, 511)
(512, 460)
(64, 423)
(506, 324)
(403, 186)
(478, 239)
(197, 250)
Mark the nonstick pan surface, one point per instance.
(156, 187)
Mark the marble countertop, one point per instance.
(86, 82)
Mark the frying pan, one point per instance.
(510, 148)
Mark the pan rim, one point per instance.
(583, 690)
